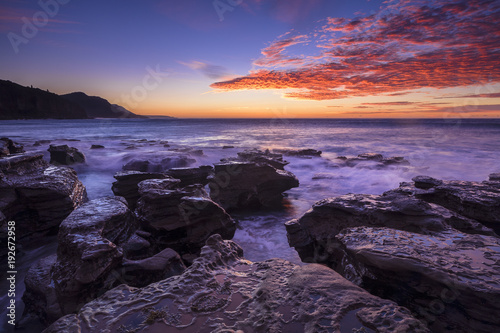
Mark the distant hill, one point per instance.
(97, 107)
(18, 102)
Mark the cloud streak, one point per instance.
(406, 46)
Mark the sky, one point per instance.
(262, 58)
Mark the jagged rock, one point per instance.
(22, 164)
(191, 176)
(62, 154)
(180, 218)
(450, 279)
(40, 298)
(97, 147)
(494, 177)
(237, 185)
(442, 265)
(479, 201)
(126, 184)
(298, 152)
(160, 163)
(88, 252)
(165, 264)
(36, 196)
(222, 292)
(314, 233)
(41, 142)
(9, 147)
(370, 161)
(266, 157)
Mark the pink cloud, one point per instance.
(406, 46)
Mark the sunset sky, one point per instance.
(261, 58)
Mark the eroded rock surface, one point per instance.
(9, 147)
(37, 196)
(451, 279)
(476, 200)
(64, 155)
(314, 233)
(222, 292)
(91, 260)
(181, 218)
(405, 246)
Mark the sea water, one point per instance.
(464, 149)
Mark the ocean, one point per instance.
(466, 149)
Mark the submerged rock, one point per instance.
(222, 292)
(370, 161)
(237, 185)
(37, 196)
(62, 154)
(97, 147)
(299, 152)
(180, 218)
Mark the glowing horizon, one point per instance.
(255, 59)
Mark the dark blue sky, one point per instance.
(109, 48)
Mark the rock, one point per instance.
(494, 177)
(370, 161)
(97, 147)
(191, 176)
(227, 147)
(180, 218)
(262, 157)
(298, 152)
(62, 154)
(9, 147)
(163, 265)
(126, 184)
(88, 254)
(160, 163)
(313, 235)
(240, 185)
(22, 164)
(222, 292)
(40, 298)
(37, 196)
(41, 142)
(425, 182)
(450, 279)
(478, 201)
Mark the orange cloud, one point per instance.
(406, 46)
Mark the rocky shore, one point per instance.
(158, 256)
(429, 245)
